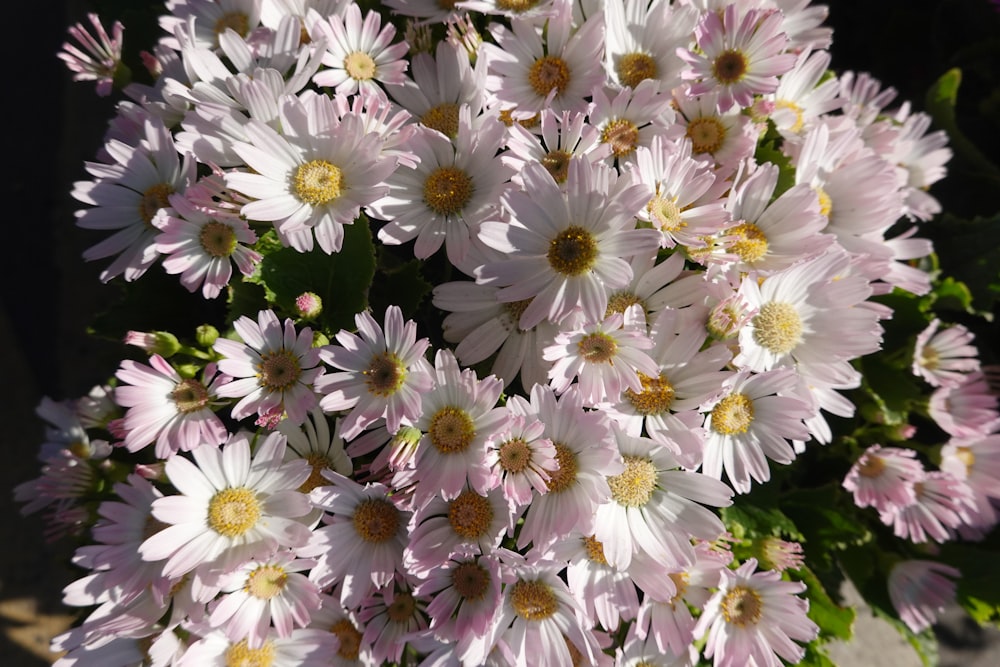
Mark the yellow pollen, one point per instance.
(533, 600)
(318, 463)
(665, 212)
(238, 21)
(929, 358)
(470, 515)
(732, 415)
(447, 190)
(595, 550)
(318, 182)
(549, 73)
(515, 455)
(635, 486)
(871, 467)
(517, 6)
(680, 580)
(742, 605)
(376, 520)
(471, 581)
(825, 203)
(241, 655)
(573, 251)
(350, 639)
(359, 66)
(443, 118)
(965, 455)
(217, 239)
(621, 135)
(506, 117)
(565, 476)
(451, 430)
(750, 242)
(777, 327)
(655, 398)
(233, 511)
(278, 370)
(266, 581)
(515, 309)
(384, 375)
(557, 164)
(619, 302)
(153, 200)
(794, 108)
(729, 67)
(707, 134)
(402, 608)
(598, 348)
(189, 396)
(633, 68)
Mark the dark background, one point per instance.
(49, 295)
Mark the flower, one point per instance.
(304, 647)
(274, 368)
(944, 358)
(100, 59)
(967, 409)
(230, 507)
(755, 616)
(382, 373)
(174, 412)
(642, 41)
(920, 590)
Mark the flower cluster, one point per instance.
(540, 309)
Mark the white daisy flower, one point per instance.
(559, 138)
(642, 41)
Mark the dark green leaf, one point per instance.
(834, 621)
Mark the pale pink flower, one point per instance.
(755, 616)
(334, 618)
(607, 593)
(976, 460)
(230, 507)
(920, 590)
(629, 118)
(274, 368)
(100, 59)
(381, 373)
(265, 593)
(883, 478)
(967, 409)
(642, 40)
(942, 504)
(523, 459)
(606, 358)
(304, 647)
(558, 139)
(360, 545)
(722, 138)
(945, 357)
(740, 54)
(464, 594)
(391, 616)
(174, 412)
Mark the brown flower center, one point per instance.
(549, 73)
(376, 520)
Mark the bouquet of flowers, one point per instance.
(539, 332)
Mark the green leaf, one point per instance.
(246, 298)
(815, 657)
(978, 589)
(895, 390)
(834, 621)
(341, 280)
(748, 521)
(769, 150)
(403, 286)
(941, 99)
(969, 252)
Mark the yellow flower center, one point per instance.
(729, 67)
(665, 212)
(350, 639)
(266, 581)
(707, 134)
(402, 608)
(871, 467)
(217, 239)
(557, 164)
(825, 203)
(517, 6)
(634, 487)
(237, 21)
(471, 581)
(533, 600)
(632, 68)
(233, 511)
(619, 302)
(595, 550)
(655, 398)
(443, 118)
(153, 199)
(317, 464)
(749, 242)
(470, 515)
(573, 251)
(777, 327)
(680, 580)
(189, 396)
(384, 375)
(965, 455)
(515, 455)
(278, 370)
(447, 190)
(241, 655)
(741, 605)
(733, 414)
(597, 348)
(452, 430)
(376, 520)
(549, 73)
(794, 108)
(318, 182)
(565, 476)
(359, 66)
(621, 135)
